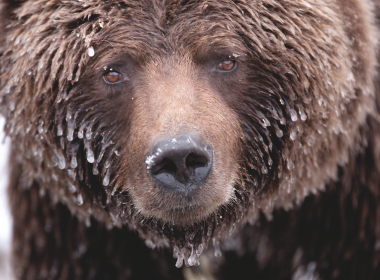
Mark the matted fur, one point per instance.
(293, 113)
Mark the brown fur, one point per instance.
(287, 123)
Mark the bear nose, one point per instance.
(180, 164)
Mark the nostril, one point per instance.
(195, 161)
(165, 166)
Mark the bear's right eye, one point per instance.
(112, 77)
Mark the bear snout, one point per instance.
(180, 165)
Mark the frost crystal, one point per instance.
(149, 161)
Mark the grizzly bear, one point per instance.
(241, 137)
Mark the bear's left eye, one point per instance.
(227, 66)
(112, 77)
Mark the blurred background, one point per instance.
(5, 218)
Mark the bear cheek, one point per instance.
(166, 115)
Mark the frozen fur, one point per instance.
(295, 133)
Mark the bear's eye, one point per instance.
(112, 77)
(227, 65)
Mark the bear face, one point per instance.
(278, 123)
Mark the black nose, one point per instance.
(181, 164)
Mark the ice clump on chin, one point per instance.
(180, 254)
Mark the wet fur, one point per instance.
(296, 58)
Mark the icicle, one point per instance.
(293, 115)
(62, 142)
(72, 188)
(88, 221)
(81, 128)
(70, 130)
(89, 152)
(59, 130)
(290, 164)
(311, 140)
(209, 230)
(216, 244)
(107, 163)
(42, 192)
(91, 52)
(80, 169)
(73, 163)
(293, 135)
(199, 250)
(106, 179)
(74, 150)
(265, 122)
(179, 262)
(71, 174)
(95, 170)
(279, 171)
(264, 169)
(104, 148)
(303, 115)
(61, 161)
(270, 161)
(41, 126)
(279, 132)
(194, 258)
(179, 254)
(80, 199)
(89, 133)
